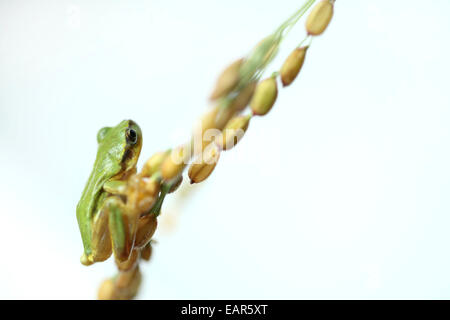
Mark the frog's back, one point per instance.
(89, 202)
(85, 211)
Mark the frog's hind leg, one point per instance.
(101, 242)
(122, 227)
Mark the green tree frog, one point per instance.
(105, 224)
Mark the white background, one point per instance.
(342, 191)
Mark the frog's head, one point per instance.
(121, 145)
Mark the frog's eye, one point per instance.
(131, 135)
(102, 134)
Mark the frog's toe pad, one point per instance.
(85, 260)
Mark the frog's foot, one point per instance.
(86, 260)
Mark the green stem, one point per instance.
(310, 38)
(257, 61)
(156, 209)
(292, 21)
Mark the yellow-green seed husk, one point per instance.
(127, 284)
(154, 163)
(106, 291)
(243, 98)
(223, 116)
(176, 184)
(267, 48)
(146, 252)
(216, 118)
(228, 80)
(174, 164)
(261, 55)
(233, 132)
(265, 96)
(320, 17)
(199, 172)
(145, 231)
(292, 66)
